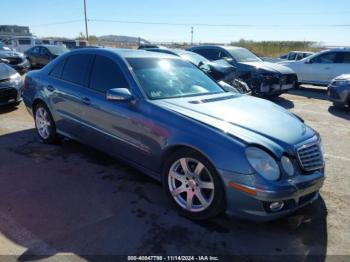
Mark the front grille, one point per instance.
(14, 60)
(310, 156)
(6, 94)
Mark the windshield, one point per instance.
(168, 78)
(243, 55)
(194, 58)
(57, 50)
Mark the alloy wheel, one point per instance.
(43, 123)
(191, 184)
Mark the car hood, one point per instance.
(343, 77)
(250, 119)
(267, 66)
(5, 71)
(6, 54)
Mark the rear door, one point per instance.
(34, 55)
(69, 79)
(44, 56)
(321, 68)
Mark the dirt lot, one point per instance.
(71, 199)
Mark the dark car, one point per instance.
(145, 46)
(339, 91)
(41, 55)
(263, 78)
(14, 59)
(219, 70)
(213, 150)
(10, 86)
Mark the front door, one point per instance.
(111, 126)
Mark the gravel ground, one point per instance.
(71, 202)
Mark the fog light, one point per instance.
(276, 206)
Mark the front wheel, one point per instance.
(44, 124)
(193, 185)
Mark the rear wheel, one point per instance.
(193, 185)
(44, 124)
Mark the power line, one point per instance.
(213, 25)
(59, 23)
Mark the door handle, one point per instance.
(327, 68)
(50, 88)
(86, 100)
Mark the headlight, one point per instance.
(287, 165)
(263, 163)
(16, 78)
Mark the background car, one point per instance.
(41, 55)
(11, 84)
(21, 44)
(218, 70)
(295, 55)
(213, 150)
(322, 67)
(263, 78)
(14, 59)
(339, 91)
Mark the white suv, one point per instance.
(322, 67)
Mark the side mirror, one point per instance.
(227, 59)
(119, 94)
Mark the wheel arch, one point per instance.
(37, 101)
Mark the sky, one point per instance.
(166, 21)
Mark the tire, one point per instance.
(45, 126)
(338, 105)
(198, 193)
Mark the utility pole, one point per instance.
(86, 25)
(192, 35)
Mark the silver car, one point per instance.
(339, 91)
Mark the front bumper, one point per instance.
(338, 94)
(9, 95)
(274, 85)
(294, 193)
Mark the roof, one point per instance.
(125, 53)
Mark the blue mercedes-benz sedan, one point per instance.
(213, 150)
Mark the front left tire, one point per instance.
(45, 126)
(193, 185)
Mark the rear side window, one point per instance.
(344, 57)
(106, 75)
(35, 50)
(209, 53)
(76, 68)
(57, 70)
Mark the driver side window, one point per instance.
(106, 75)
